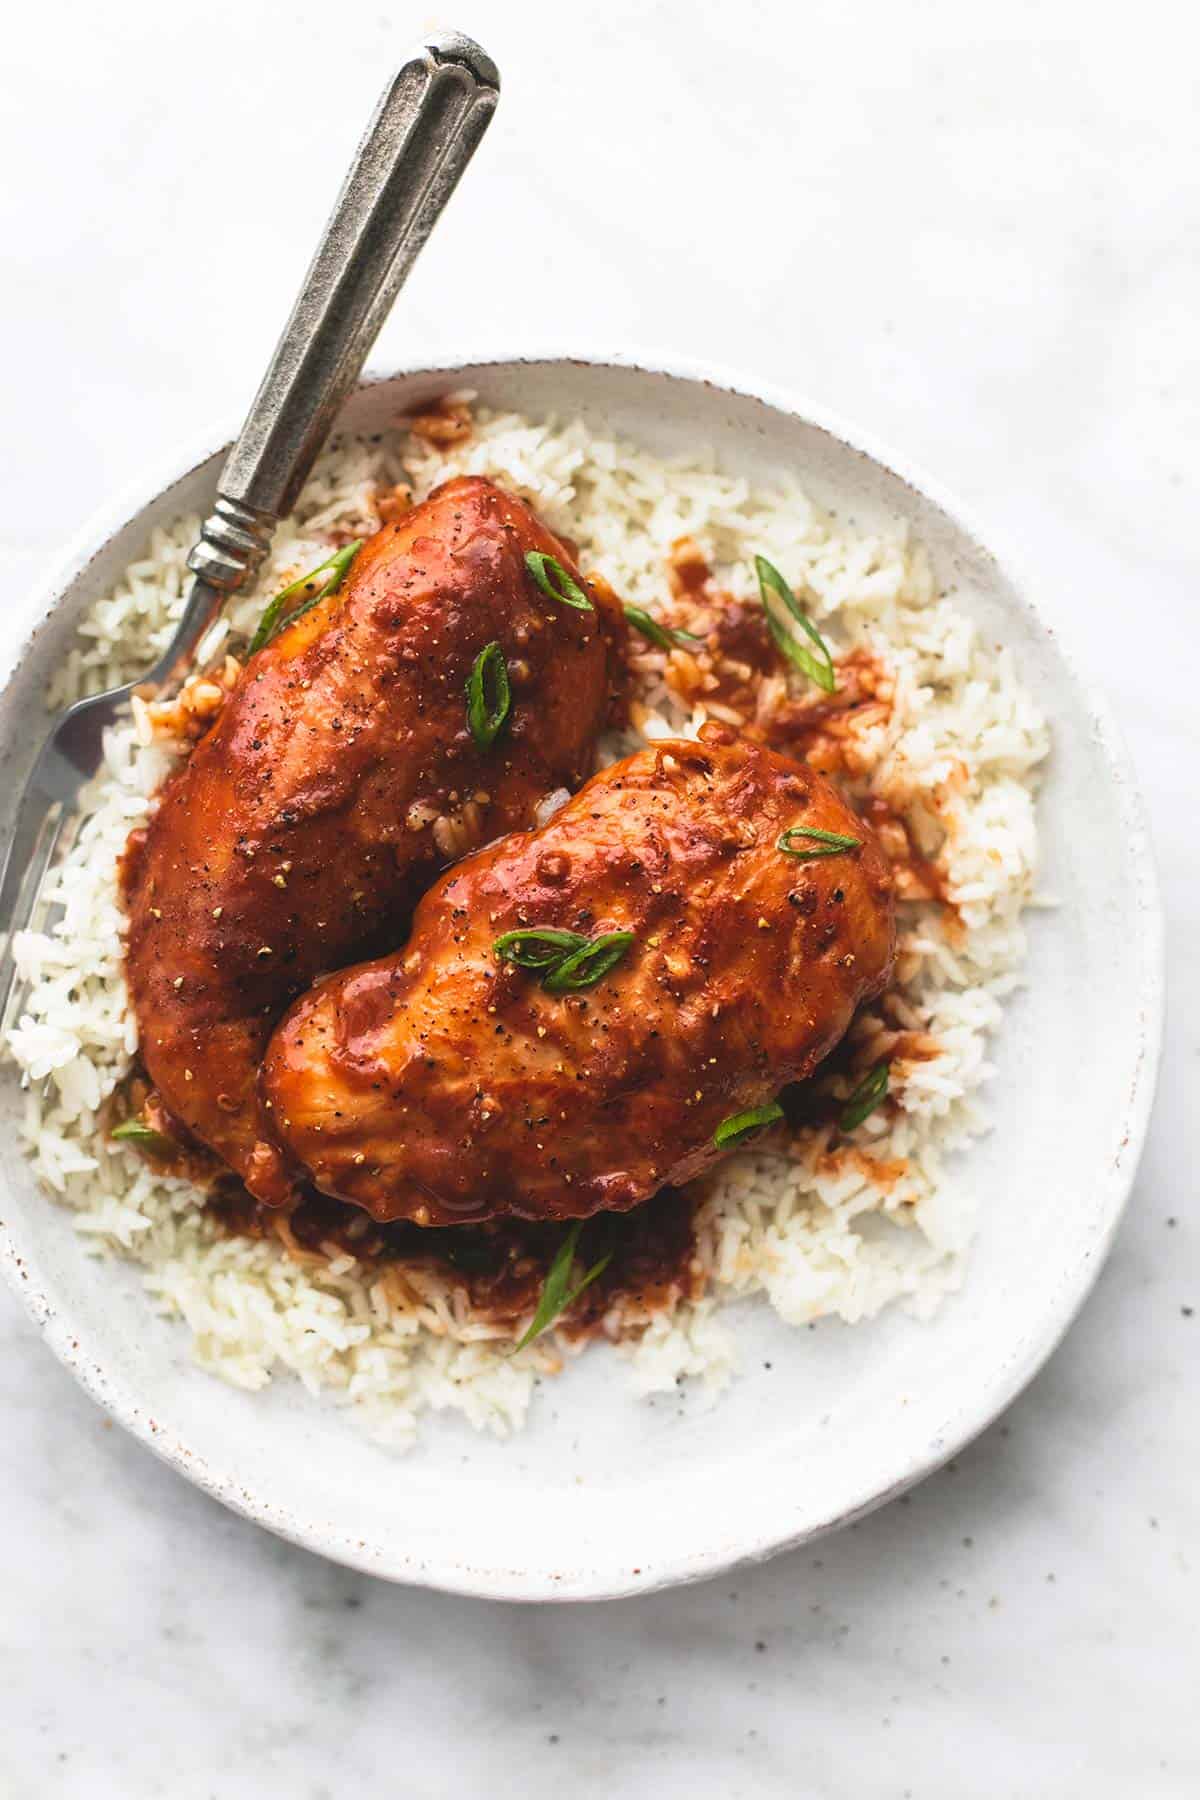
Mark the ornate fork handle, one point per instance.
(423, 133)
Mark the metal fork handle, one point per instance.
(422, 136)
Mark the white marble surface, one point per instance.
(973, 229)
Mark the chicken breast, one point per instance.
(340, 777)
(447, 1084)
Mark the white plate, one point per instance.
(605, 1494)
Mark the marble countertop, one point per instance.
(974, 230)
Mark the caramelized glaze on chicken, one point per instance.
(340, 776)
(443, 1084)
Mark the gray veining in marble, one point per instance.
(975, 230)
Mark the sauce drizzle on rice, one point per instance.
(736, 672)
(498, 1268)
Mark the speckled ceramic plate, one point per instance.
(605, 1494)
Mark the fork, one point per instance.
(423, 132)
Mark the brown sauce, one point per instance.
(129, 864)
(610, 622)
(393, 503)
(825, 729)
(916, 877)
(688, 573)
(501, 1265)
(444, 423)
(740, 635)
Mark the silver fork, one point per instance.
(423, 133)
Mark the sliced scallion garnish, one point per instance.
(665, 636)
(818, 668)
(273, 621)
(556, 1295)
(740, 1127)
(143, 1137)
(562, 587)
(538, 947)
(824, 843)
(865, 1098)
(566, 960)
(489, 700)
(584, 967)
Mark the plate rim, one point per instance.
(118, 1397)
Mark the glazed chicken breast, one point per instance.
(341, 775)
(447, 1083)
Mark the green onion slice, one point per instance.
(562, 587)
(566, 960)
(824, 843)
(739, 1128)
(818, 668)
(273, 621)
(555, 1297)
(143, 1137)
(665, 636)
(584, 967)
(865, 1098)
(539, 947)
(489, 700)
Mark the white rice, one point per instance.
(817, 1230)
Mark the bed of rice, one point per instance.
(816, 1228)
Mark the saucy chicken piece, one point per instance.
(339, 778)
(444, 1084)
